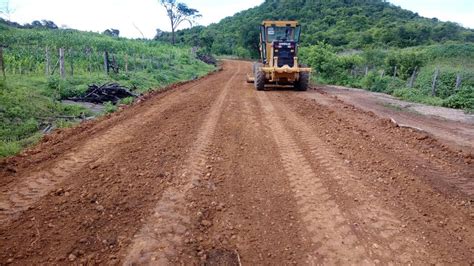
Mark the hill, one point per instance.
(352, 24)
(32, 90)
(369, 44)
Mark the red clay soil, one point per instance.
(213, 172)
(450, 126)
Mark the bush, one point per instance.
(414, 95)
(330, 67)
(8, 148)
(406, 62)
(463, 99)
(374, 82)
(127, 101)
(109, 107)
(446, 82)
(242, 53)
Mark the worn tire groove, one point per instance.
(157, 242)
(334, 240)
(392, 244)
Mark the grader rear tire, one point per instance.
(259, 80)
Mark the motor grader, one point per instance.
(279, 41)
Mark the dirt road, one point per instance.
(451, 126)
(215, 172)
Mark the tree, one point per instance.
(5, 9)
(112, 32)
(178, 13)
(158, 35)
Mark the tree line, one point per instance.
(349, 24)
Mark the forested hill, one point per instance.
(341, 23)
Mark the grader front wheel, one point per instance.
(259, 80)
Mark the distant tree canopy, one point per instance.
(158, 35)
(111, 32)
(36, 24)
(349, 24)
(46, 24)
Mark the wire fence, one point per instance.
(67, 62)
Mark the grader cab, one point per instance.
(279, 57)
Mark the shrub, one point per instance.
(414, 95)
(8, 148)
(127, 101)
(374, 82)
(109, 107)
(463, 99)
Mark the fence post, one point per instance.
(412, 79)
(366, 70)
(435, 78)
(383, 73)
(62, 71)
(458, 81)
(106, 62)
(395, 71)
(89, 59)
(47, 69)
(2, 63)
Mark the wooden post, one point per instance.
(115, 66)
(458, 81)
(383, 73)
(47, 68)
(366, 70)
(62, 71)
(412, 79)
(89, 58)
(106, 62)
(395, 72)
(435, 78)
(2, 64)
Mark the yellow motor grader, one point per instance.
(279, 57)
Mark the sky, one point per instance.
(133, 16)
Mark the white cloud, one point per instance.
(459, 11)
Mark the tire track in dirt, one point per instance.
(333, 238)
(377, 225)
(251, 213)
(160, 241)
(18, 197)
(461, 179)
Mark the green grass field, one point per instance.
(30, 100)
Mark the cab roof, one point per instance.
(280, 23)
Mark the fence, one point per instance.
(361, 71)
(32, 60)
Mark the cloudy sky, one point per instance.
(147, 15)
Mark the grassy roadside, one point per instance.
(30, 99)
(407, 74)
(31, 103)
